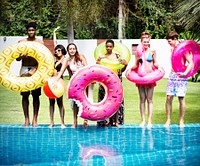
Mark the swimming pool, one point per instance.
(130, 145)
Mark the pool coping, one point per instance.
(94, 125)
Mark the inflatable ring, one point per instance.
(112, 85)
(21, 84)
(178, 58)
(140, 75)
(152, 77)
(119, 48)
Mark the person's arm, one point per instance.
(21, 56)
(154, 59)
(98, 61)
(125, 63)
(84, 60)
(136, 62)
(54, 37)
(155, 63)
(190, 66)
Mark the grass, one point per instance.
(11, 110)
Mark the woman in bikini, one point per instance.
(148, 59)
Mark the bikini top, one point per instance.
(149, 57)
(58, 67)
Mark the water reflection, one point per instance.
(147, 139)
(108, 153)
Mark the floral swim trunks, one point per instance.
(176, 86)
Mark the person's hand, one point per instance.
(181, 75)
(161, 69)
(24, 55)
(56, 29)
(123, 62)
(128, 72)
(99, 60)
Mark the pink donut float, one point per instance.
(112, 85)
(178, 60)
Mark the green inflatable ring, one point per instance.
(119, 48)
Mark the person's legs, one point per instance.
(101, 95)
(62, 110)
(36, 105)
(75, 112)
(121, 113)
(182, 110)
(25, 106)
(142, 96)
(116, 120)
(150, 106)
(168, 107)
(51, 109)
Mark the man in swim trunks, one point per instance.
(177, 83)
(29, 66)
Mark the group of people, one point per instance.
(176, 86)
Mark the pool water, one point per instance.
(130, 145)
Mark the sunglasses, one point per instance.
(58, 50)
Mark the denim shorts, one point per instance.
(176, 86)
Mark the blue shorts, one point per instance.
(176, 86)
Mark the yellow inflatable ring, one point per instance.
(119, 48)
(21, 84)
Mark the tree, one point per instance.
(188, 14)
(154, 16)
(17, 13)
(79, 12)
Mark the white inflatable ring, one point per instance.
(21, 84)
(112, 85)
(119, 48)
(178, 58)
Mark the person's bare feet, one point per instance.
(109, 124)
(74, 126)
(35, 124)
(182, 125)
(85, 123)
(149, 125)
(62, 126)
(118, 126)
(27, 123)
(167, 124)
(51, 125)
(142, 124)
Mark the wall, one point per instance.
(87, 48)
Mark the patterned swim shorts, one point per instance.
(176, 86)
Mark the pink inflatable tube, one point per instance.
(178, 56)
(152, 77)
(112, 85)
(140, 75)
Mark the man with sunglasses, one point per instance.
(28, 68)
